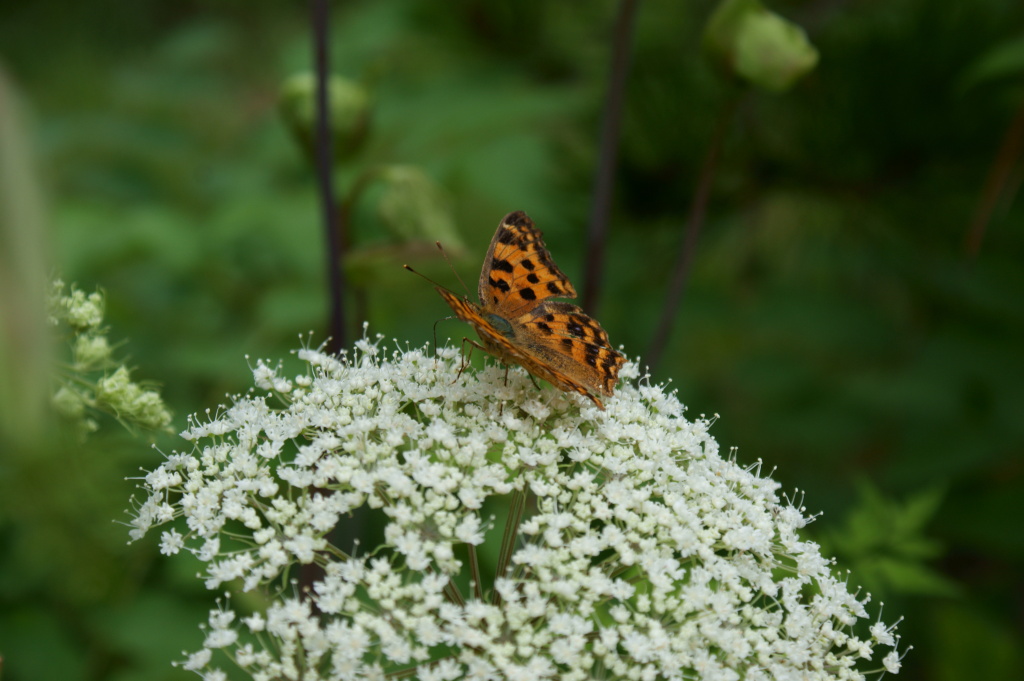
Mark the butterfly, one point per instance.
(553, 340)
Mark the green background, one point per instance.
(834, 317)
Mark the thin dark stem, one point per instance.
(688, 245)
(474, 573)
(605, 179)
(359, 294)
(508, 540)
(995, 183)
(334, 229)
(453, 595)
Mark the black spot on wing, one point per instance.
(528, 264)
(532, 277)
(544, 327)
(501, 265)
(575, 329)
(554, 288)
(506, 236)
(500, 284)
(528, 294)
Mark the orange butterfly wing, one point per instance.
(518, 271)
(568, 338)
(553, 340)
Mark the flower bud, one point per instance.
(413, 207)
(68, 403)
(130, 402)
(348, 105)
(758, 45)
(84, 311)
(91, 351)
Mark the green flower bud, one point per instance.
(348, 105)
(55, 303)
(130, 402)
(83, 312)
(758, 45)
(91, 351)
(150, 411)
(116, 390)
(68, 403)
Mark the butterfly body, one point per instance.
(500, 324)
(553, 340)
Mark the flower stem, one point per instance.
(474, 572)
(508, 540)
(452, 593)
(334, 229)
(688, 245)
(605, 178)
(999, 177)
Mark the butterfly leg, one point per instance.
(501, 407)
(434, 346)
(532, 380)
(467, 356)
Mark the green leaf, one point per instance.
(414, 207)
(907, 577)
(1005, 60)
(884, 544)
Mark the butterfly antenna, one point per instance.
(424, 276)
(452, 267)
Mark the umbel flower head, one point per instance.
(627, 547)
(94, 380)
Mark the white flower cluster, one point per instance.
(631, 549)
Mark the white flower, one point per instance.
(221, 638)
(881, 633)
(171, 542)
(635, 551)
(892, 662)
(255, 622)
(197, 660)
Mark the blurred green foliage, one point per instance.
(834, 318)
(885, 546)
